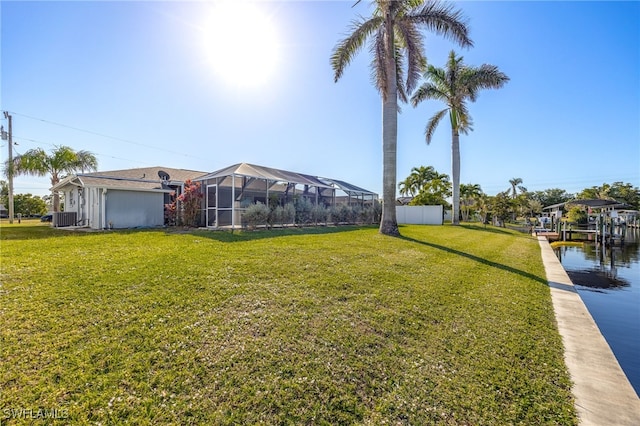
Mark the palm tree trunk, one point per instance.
(389, 223)
(455, 175)
(56, 196)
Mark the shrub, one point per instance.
(341, 214)
(354, 214)
(289, 214)
(303, 211)
(319, 214)
(366, 215)
(170, 214)
(255, 215)
(276, 215)
(190, 201)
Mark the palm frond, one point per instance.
(465, 122)
(437, 75)
(85, 160)
(400, 86)
(428, 90)
(443, 19)
(34, 162)
(432, 124)
(487, 77)
(410, 37)
(345, 50)
(378, 61)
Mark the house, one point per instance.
(120, 198)
(136, 197)
(4, 213)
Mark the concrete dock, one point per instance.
(603, 394)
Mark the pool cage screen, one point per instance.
(230, 191)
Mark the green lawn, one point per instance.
(447, 325)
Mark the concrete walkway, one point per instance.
(602, 391)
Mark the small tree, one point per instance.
(190, 200)
(62, 160)
(578, 215)
(501, 207)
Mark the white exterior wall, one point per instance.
(93, 202)
(71, 203)
(420, 215)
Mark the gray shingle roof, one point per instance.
(141, 179)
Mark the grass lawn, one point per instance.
(447, 325)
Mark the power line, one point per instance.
(96, 153)
(91, 132)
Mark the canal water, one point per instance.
(608, 281)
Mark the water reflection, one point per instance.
(608, 281)
(598, 266)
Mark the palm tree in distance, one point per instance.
(37, 162)
(470, 195)
(454, 86)
(416, 180)
(515, 185)
(394, 33)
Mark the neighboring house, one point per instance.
(120, 198)
(403, 201)
(4, 213)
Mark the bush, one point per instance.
(377, 212)
(341, 214)
(319, 214)
(367, 215)
(255, 215)
(303, 211)
(276, 215)
(170, 214)
(190, 200)
(289, 214)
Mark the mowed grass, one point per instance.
(447, 325)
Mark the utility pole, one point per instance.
(10, 163)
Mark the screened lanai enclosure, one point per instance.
(229, 192)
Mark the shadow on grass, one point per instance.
(480, 260)
(492, 229)
(240, 236)
(34, 232)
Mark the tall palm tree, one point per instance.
(37, 162)
(455, 85)
(394, 33)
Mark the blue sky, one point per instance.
(141, 81)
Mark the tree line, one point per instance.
(426, 186)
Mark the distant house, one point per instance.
(120, 198)
(4, 213)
